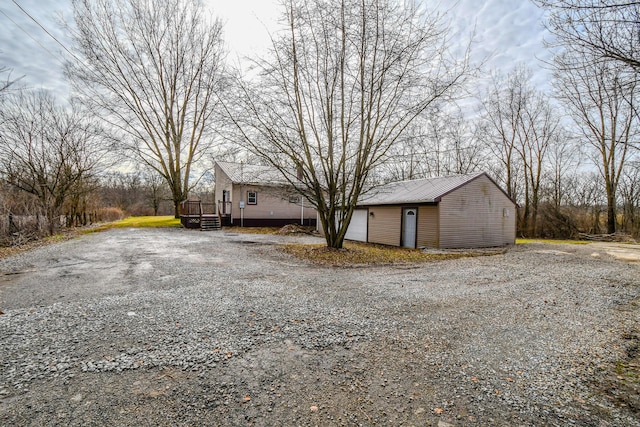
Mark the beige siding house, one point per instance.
(258, 196)
(460, 211)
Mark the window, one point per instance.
(252, 198)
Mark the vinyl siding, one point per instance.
(273, 203)
(473, 216)
(385, 225)
(222, 183)
(428, 224)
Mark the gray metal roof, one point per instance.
(241, 173)
(428, 190)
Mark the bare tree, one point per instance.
(344, 82)
(563, 160)
(46, 150)
(520, 127)
(601, 97)
(156, 190)
(6, 82)
(597, 29)
(539, 129)
(502, 112)
(630, 192)
(153, 70)
(466, 153)
(442, 142)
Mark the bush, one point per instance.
(110, 214)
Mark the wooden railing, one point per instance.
(224, 208)
(192, 212)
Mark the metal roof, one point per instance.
(428, 190)
(242, 173)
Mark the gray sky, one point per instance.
(508, 32)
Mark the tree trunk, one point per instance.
(611, 214)
(176, 209)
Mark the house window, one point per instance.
(252, 198)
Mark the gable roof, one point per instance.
(428, 190)
(242, 173)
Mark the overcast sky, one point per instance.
(508, 32)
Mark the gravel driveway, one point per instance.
(176, 327)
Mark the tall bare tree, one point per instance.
(539, 130)
(344, 81)
(521, 125)
(46, 150)
(601, 97)
(502, 113)
(153, 70)
(597, 29)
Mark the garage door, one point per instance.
(358, 227)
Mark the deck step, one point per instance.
(210, 223)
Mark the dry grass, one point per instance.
(552, 241)
(7, 251)
(139, 222)
(252, 230)
(354, 254)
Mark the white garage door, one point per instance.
(358, 227)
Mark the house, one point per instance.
(461, 211)
(258, 196)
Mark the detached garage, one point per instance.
(460, 211)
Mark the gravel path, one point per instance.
(176, 327)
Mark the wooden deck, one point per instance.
(195, 214)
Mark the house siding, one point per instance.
(272, 209)
(474, 216)
(272, 206)
(428, 226)
(222, 183)
(385, 225)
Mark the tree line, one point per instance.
(352, 94)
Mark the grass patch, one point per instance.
(138, 222)
(552, 241)
(353, 254)
(147, 222)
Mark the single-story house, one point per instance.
(460, 211)
(258, 196)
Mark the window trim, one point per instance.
(249, 198)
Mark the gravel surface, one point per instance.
(177, 327)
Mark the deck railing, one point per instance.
(224, 208)
(192, 211)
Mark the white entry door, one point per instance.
(409, 227)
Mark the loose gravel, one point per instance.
(177, 327)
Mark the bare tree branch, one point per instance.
(344, 82)
(601, 29)
(154, 71)
(48, 151)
